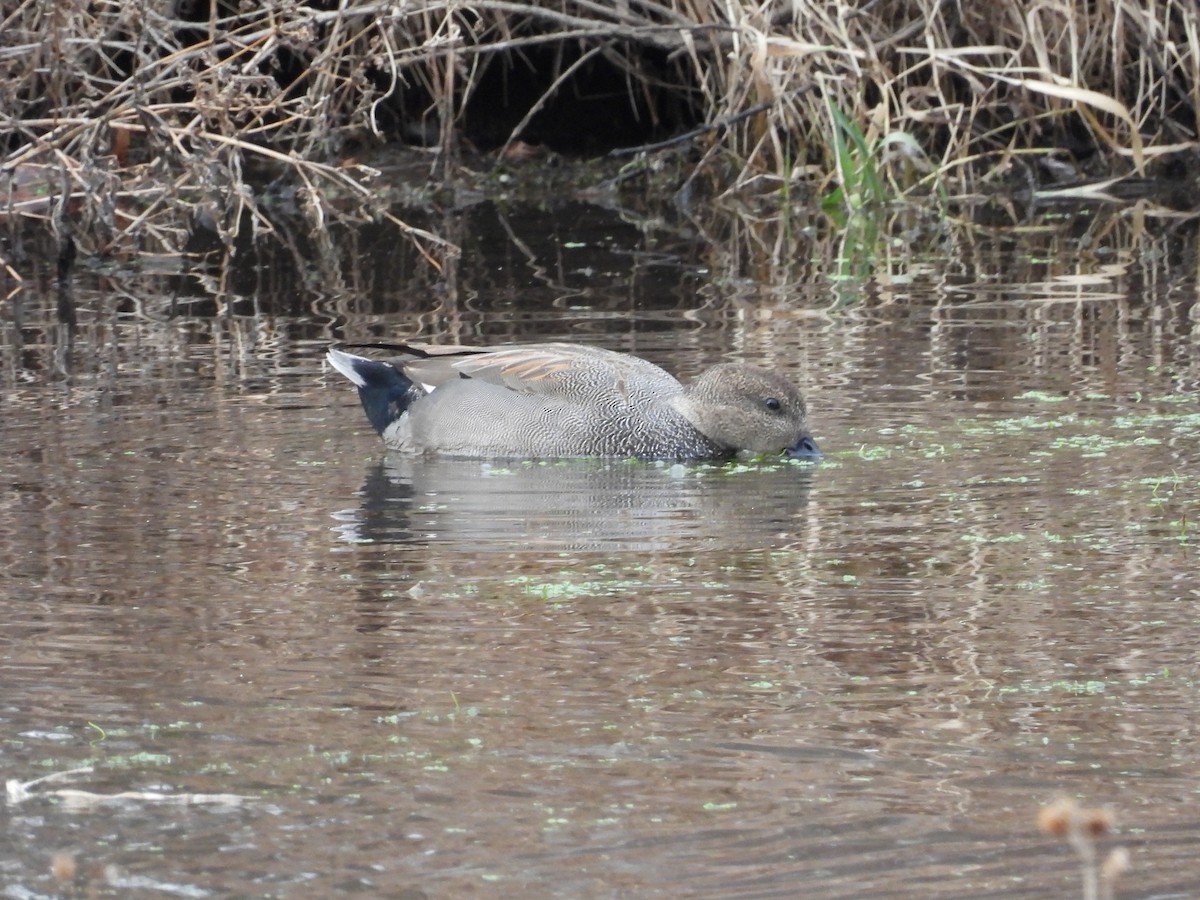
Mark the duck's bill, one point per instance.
(805, 448)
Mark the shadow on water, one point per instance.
(551, 506)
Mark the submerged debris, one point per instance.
(21, 791)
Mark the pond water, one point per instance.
(861, 678)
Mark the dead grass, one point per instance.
(976, 84)
(134, 125)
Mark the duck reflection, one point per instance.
(579, 504)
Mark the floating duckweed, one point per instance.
(1041, 397)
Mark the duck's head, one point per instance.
(749, 409)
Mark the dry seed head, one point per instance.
(1115, 864)
(1099, 821)
(1058, 818)
(62, 866)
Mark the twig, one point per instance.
(20, 791)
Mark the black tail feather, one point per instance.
(383, 388)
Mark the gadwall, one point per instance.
(568, 400)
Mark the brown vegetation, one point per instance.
(132, 125)
(1081, 828)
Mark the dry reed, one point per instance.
(1081, 828)
(134, 124)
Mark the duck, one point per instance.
(561, 400)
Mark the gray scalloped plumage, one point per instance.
(569, 400)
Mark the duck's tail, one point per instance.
(383, 388)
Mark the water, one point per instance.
(448, 678)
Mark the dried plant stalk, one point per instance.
(157, 115)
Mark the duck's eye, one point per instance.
(773, 404)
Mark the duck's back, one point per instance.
(548, 400)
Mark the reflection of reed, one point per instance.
(1086, 306)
